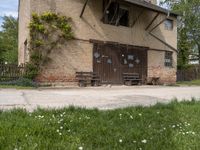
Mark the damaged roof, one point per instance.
(150, 6)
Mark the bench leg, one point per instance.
(96, 83)
(82, 84)
(128, 83)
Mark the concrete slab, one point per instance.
(100, 97)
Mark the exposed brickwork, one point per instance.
(55, 78)
(166, 75)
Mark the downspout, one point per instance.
(18, 29)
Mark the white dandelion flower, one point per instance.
(80, 148)
(144, 141)
(120, 140)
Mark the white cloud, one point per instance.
(9, 13)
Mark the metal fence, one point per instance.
(191, 73)
(11, 72)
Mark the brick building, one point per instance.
(111, 38)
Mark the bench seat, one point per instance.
(87, 78)
(131, 78)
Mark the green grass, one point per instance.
(194, 82)
(15, 87)
(175, 126)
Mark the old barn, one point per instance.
(115, 41)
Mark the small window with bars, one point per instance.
(168, 24)
(168, 59)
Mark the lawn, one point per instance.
(15, 87)
(175, 126)
(194, 82)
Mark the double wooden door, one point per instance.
(111, 61)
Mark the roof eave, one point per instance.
(152, 7)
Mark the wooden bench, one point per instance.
(131, 78)
(87, 78)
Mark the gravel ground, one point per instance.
(105, 97)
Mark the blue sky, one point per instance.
(8, 7)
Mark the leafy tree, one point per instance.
(188, 28)
(184, 49)
(9, 40)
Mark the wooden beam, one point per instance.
(84, 6)
(165, 43)
(117, 43)
(156, 16)
(105, 10)
(157, 25)
(168, 15)
(134, 22)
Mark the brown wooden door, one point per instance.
(107, 63)
(134, 60)
(111, 61)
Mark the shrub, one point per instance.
(42, 43)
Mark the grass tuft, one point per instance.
(189, 83)
(161, 127)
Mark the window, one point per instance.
(116, 14)
(168, 59)
(168, 24)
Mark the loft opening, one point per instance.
(115, 13)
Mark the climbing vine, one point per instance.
(47, 32)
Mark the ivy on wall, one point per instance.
(47, 32)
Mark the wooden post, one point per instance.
(83, 8)
(152, 21)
